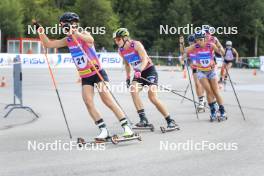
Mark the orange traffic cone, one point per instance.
(3, 82)
(254, 72)
(184, 73)
(220, 86)
(79, 80)
(177, 67)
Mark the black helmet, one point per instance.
(69, 17)
(191, 38)
(199, 34)
(206, 28)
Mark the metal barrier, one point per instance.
(18, 98)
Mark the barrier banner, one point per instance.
(261, 58)
(108, 60)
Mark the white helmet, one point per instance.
(228, 43)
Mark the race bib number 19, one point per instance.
(205, 62)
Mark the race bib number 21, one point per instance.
(80, 61)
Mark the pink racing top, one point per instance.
(132, 57)
(204, 57)
(82, 62)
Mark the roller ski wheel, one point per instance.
(213, 119)
(146, 127)
(115, 139)
(221, 85)
(166, 129)
(221, 118)
(80, 142)
(200, 109)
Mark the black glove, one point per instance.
(67, 27)
(128, 82)
(35, 23)
(185, 62)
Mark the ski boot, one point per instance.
(127, 132)
(222, 116)
(103, 136)
(142, 123)
(213, 115)
(216, 106)
(201, 106)
(171, 126)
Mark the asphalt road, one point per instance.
(173, 153)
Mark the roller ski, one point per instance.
(200, 109)
(115, 139)
(143, 125)
(81, 141)
(103, 137)
(221, 118)
(128, 135)
(171, 126)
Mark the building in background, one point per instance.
(26, 46)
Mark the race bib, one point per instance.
(134, 60)
(205, 62)
(80, 61)
(204, 59)
(136, 65)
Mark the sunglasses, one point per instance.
(200, 39)
(117, 39)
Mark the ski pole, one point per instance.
(190, 83)
(173, 91)
(185, 92)
(56, 89)
(243, 115)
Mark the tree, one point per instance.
(99, 16)
(137, 17)
(10, 20)
(43, 11)
(177, 14)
